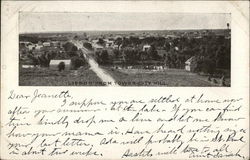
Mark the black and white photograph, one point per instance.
(125, 80)
(124, 49)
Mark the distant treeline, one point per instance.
(36, 38)
(211, 52)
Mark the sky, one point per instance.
(56, 22)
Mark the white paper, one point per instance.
(98, 122)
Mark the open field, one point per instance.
(50, 77)
(169, 77)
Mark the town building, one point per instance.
(38, 46)
(54, 63)
(46, 44)
(31, 46)
(97, 47)
(109, 43)
(145, 47)
(191, 64)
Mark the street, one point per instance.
(104, 76)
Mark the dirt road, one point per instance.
(104, 76)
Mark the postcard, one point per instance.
(125, 80)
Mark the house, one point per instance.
(152, 64)
(158, 68)
(31, 46)
(27, 66)
(28, 45)
(40, 43)
(145, 47)
(109, 43)
(27, 63)
(46, 44)
(95, 41)
(54, 63)
(55, 43)
(171, 36)
(191, 64)
(129, 67)
(97, 47)
(115, 46)
(38, 46)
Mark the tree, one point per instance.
(103, 57)
(130, 56)
(61, 66)
(134, 40)
(167, 60)
(167, 46)
(100, 41)
(160, 41)
(44, 60)
(125, 42)
(116, 53)
(149, 40)
(143, 56)
(152, 52)
(70, 49)
(33, 58)
(76, 62)
(118, 41)
(208, 66)
(87, 45)
(76, 37)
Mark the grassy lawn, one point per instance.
(169, 77)
(51, 77)
(125, 77)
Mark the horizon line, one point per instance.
(121, 30)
